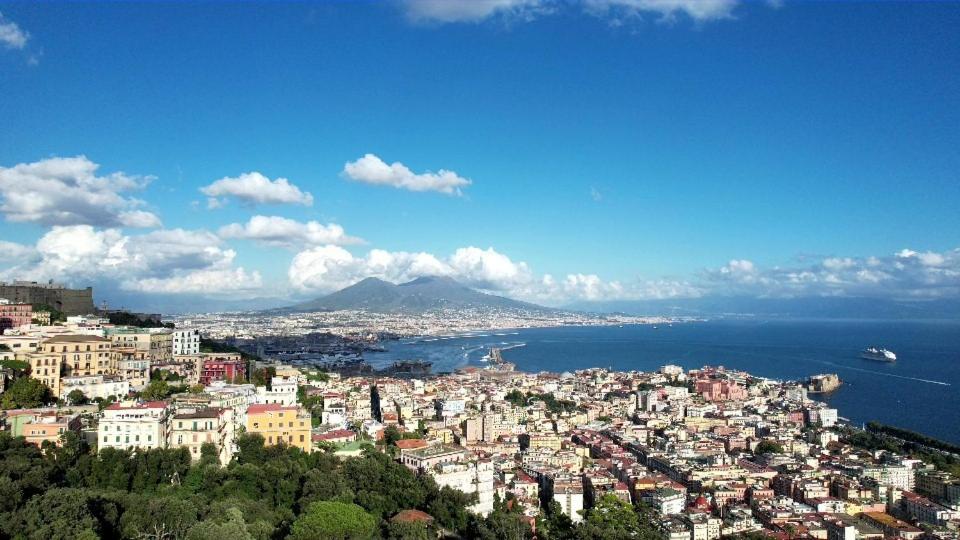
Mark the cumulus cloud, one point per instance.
(68, 191)
(281, 231)
(169, 260)
(328, 268)
(11, 35)
(370, 169)
(454, 11)
(255, 188)
(14, 252)
(907, 274)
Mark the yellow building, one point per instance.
(81, 354)
(278, 424)
(45, 367)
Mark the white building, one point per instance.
(283, 391)
(569, 495)
(186, 342)
(468, 477)
(94, 386)
(133, 426)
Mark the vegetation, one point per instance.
(768, 447)
(881, 440)
(333, 519)
(125, 318)
(913, 437)
(554, 405)
(16, 365)
(25, 393)
(77, 397)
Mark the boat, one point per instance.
(878, 354)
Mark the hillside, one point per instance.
(421, 294)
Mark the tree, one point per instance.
(158, 389)
(77, 397)
(233, 527)
(404, 530)
(158, 518)
(24, 393)
(768, 447)
(335, 521)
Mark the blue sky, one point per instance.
(624, 149)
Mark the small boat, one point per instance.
(878, 354)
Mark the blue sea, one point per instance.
(920, 391)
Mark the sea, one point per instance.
(920, 391)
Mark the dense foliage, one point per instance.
(554, 405)
(768, 447)
(25, 392)
(125, 318)
(880, 440)
(267, 492)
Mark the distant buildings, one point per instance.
(66, 301)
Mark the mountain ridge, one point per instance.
(422, 294)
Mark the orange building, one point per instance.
(278, 424)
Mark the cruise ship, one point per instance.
(879, 354)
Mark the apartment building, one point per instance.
(185, 342)
(81, 354)
(193, 429)
(95, 386)
(46, 368)
(278, 424)
(127, 427)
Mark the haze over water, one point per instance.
(921, 391)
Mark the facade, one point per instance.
(569, 495)
(191, 430)
(127, 427)
(185, 342)
(95, 386)
(278, 424)
(427, 458)
(282, 391)
(46, 368)
(81, 354)
(468, 477)
(223, 368)
(14, 315)
(50, 427)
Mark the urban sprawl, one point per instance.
(708, 453)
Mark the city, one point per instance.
(702, 454)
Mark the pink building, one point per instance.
(14, 315)
(720, 390)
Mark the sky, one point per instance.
(550, 150)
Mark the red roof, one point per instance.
(411, 444)
(261, 408)
(411, 516)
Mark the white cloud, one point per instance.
(67, 191)
(255, 188)
(903, 275)
(329, 268)
(454, 11)
(461, 11)
(14, 252)
(371, 169)
(11, 36)
(168, 261)
(698, 10)
(280, 231)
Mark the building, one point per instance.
(67, 301)
(46, 368)
(127, 427)
(226, 367)
(50, 427)
(185, 342)
(81, 354)
(423, 459)
(193, 429)
(14, 315)
(569, 495)
(468, 477)
(132, 366)
(702, 526)
(278, 424)
(95, 386)
(282, 391)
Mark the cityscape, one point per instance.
(480, 270)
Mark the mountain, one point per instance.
(422, 294)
